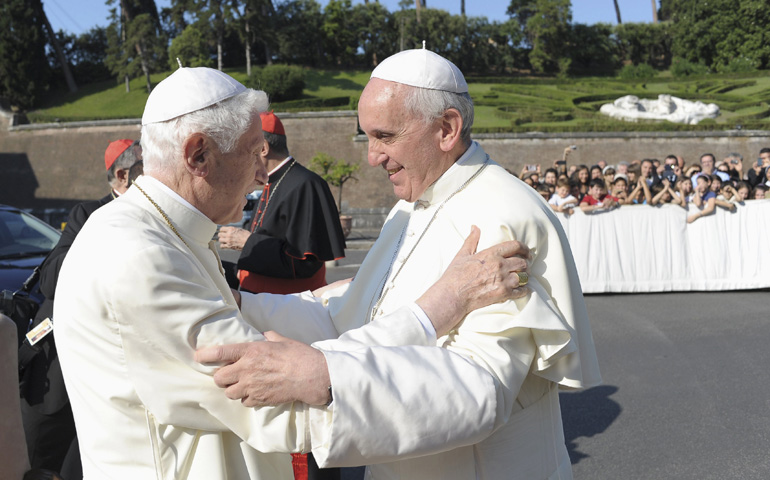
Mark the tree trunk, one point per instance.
(128, 83)
(339, 205)
(145, 67)
(654, 12)
(418, 5)
(617, 11)
(247, 30)
(267, 10)
(65, 66)
(462, 7)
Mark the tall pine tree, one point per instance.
(24, 70)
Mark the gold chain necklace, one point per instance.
(385, 289)
(162, 214)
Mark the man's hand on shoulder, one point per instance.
(474, 280)
(278, 370)
(233, 238)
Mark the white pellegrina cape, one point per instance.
(485, 404)
(133, 304)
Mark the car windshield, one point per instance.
(22, 235)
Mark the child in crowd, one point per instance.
(596, 171)
(640, 195)
(684, 190)
(703, 198)
(620, 188)
(609, 175)
(544, 190)
(759, 192)
(664, 193)
(581, 176)
(563, 200)
(720, 200)
(737, 194)
(597, 198)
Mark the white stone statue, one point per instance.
(666, 107)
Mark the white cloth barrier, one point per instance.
(638, 248)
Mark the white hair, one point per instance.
(224, 122)
(431, 104)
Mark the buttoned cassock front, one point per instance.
(134, 302)
(397, 402)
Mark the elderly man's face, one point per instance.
(405, 146)
(236, 174)
(707, 163)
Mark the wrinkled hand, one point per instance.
(233, 238)
(475, 280)
(279, 370)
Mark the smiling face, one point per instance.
(597, 191)
(406, 146)
(583, 175)
(235, 174)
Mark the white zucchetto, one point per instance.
(188, 90)
(422, 68)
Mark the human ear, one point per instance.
(451, 126)
(196, 151)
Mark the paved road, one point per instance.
(686, 391)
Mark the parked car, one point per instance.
(25, 241)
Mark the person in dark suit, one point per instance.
(48, 424)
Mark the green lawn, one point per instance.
(510, 105)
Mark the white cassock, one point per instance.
(392, 403)
(133, 304)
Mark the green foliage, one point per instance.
(739, 65)
(334, 171)
(548, 30)
(339, 34)
(24, 71)
(684, 68)
(281, 82)
(297, 30)
(191, 47)
(716, 32)
(592, 48)
(648, 43)
(641, 71)
(313, 104)
(135, 43)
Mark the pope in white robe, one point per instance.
(142, 288)
(524, 349)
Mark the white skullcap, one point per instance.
(422, 68)
(188, 90)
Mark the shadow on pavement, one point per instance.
(586, 414)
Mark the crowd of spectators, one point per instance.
(700, 187)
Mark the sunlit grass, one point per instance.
(515, 105)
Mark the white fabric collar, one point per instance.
(449, 181)
(188, 220)
(279, 166)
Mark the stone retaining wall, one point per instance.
(56, 165)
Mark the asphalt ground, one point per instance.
(686, 392)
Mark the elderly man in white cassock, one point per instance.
(417, 115)
(131, 312)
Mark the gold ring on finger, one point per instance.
(523, 278)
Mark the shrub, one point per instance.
(191, 48)
(633, 72)
(311, 104)
(281, 82)
(685, 68)
(739, 65)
